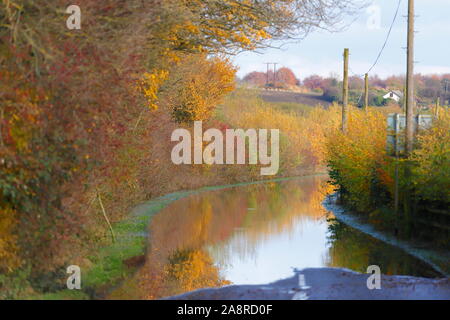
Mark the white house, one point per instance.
(396, 95)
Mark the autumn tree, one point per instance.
(313, 82)
(286, 77)
(256, 78)
(200, 85)
(234, 25)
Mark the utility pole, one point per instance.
(345, 93)
(275, 75)
(445, 94)
(267, 74)
(366, 92)
(404, 99)
(410, 100)
(410, 110)
(436, 111)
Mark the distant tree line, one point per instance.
(282, 78)
(428, 87)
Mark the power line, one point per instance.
(385, 42)
(387, 37)
(381, 50)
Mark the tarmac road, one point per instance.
(330, 284)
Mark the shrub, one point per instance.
(203, 82)
(332, 94)
(431, 171)
(364, 173)
(353, 158)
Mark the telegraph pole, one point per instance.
(410, 109)
(345, 93)
(366, 92)
(267, 74)
(436, 111)
(404, 99)
(445, 92)
(410, 100)
(275, 75)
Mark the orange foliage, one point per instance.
(354, 156)
(208, 81)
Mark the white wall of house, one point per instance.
(393, 96)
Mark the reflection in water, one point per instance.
(355, 250)
(254, 234)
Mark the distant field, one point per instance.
(294, 97)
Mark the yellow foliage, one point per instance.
(193, 269)
(226, 24)
(8, 248)
(361, 167)
(432, 158)
(302, 138)
(203, 87)
(354, 156)
(149, 86)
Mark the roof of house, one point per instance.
(396, 92)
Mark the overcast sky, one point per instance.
(321, 52)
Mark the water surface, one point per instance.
(257, 234)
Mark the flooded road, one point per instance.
(255, 234)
